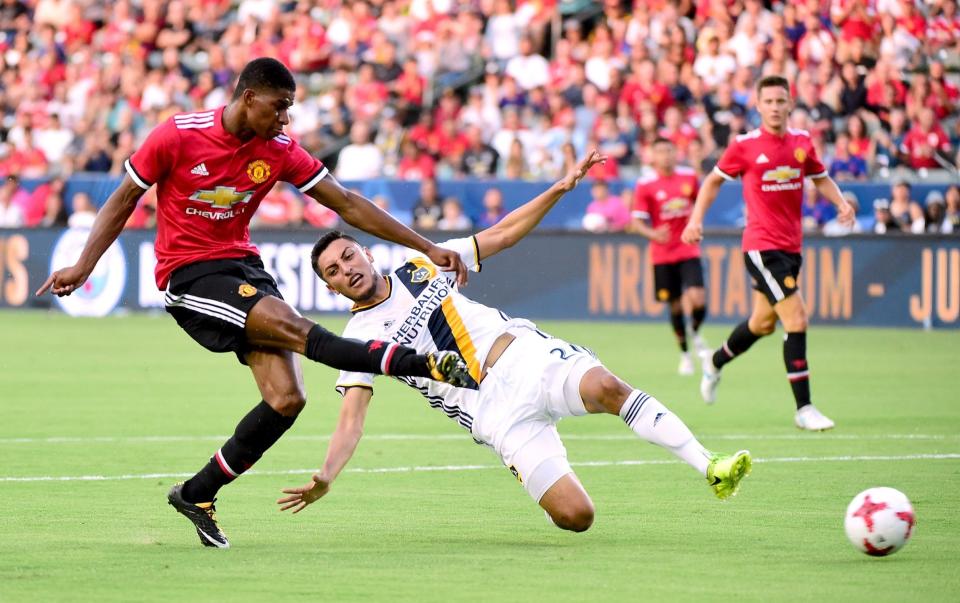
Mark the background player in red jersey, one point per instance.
(773, 160)
(664, 199)
(211, 170)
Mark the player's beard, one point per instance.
(367, 294)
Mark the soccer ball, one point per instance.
(879, 521)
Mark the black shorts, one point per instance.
(774, 273)
(210, 300)
(670, 280)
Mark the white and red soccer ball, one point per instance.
(879, 521)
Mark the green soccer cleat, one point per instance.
(448, 367)
(726, 472)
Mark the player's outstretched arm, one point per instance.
(106, 228)
(343, 443)
(360, 212)
(831, 192)
(693, 232)
(518, 223)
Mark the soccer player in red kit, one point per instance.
(662, 204)
(773, 161)
(211, 170)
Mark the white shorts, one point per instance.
(534, 384)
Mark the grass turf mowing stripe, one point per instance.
(451, 436)
(415, 469)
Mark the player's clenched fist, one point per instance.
(692, 233)
(64, 282)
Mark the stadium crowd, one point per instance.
(491, 89)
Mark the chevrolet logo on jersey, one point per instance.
(781, 174)
(222, 197)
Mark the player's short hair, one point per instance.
(662, 140)
(773, 81)
(264, 73)
(321, 245)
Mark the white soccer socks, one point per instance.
(652, 421)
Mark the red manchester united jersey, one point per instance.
(773, 168)
(668, 200)
(209, 184)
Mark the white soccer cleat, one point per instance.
(709, 377)
(809, 418)
(686, 365)
(700, 344)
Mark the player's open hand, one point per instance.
(64, 282)
(304, 495)
(449, 261)
(574, 176)
(692, 233)
(846, 215)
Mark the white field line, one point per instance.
(418, 469)
(454, 436)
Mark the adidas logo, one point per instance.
(200, 170)
(762, 159)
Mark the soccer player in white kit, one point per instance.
(522, 380)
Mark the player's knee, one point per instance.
(762, 326)
(288, 403)
(575, 516)
(613, 391)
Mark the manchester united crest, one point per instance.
(247, 290)
(258, 171)
(687, 189)
(800, 154)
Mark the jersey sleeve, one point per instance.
(812, 166)
(732, 163)
(156, 157)
(302, 169)
(468, 250)
(641, 203)
(348, 379)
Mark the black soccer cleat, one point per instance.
(449, 367)
(203, 516)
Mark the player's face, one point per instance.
(348, 269)
(267, 111)
(774, 106)
(664, 157)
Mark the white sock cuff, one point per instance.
(633, 405)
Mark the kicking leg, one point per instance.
(273, 323)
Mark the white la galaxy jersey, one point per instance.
(425, 311)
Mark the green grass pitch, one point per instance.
(132, 399)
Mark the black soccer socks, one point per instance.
(697, 315)
(255, 433)
(739, 342)
(795, 359)
(379, 357)
(679, 329)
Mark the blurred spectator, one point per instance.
(453, 216)
(907, 213)
(84, 212)
(479, 160)
(280, 208)
(145, 214)
(493, 210)
(935, 214)
(816, 210)
(843, 165)
(361, 159)
(952, 197)
(883, 222)
(11, 214)
(712, 66)
(515, 166)
(415, 164)
(606, 212)
(319, 216)
(54, 209)
(926, 144)
(427, 211)
(383, 203)
(530, 70)
(833, 227)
